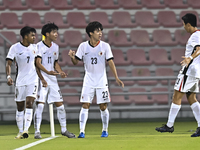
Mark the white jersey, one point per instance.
(48, 55)
(94, 59)
(193, 68)
(25, 62)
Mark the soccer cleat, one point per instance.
(68, 134)
(19, 136)
(37, 135)
(104, 134)
(165, 128)
(25, 134)
(197, 133)
(81, 135)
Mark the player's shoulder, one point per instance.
(15, 46)
(54, 45)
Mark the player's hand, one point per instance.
(63, 74)
(119, 82)
(71, 53)
(44, 83)
(10, 81)
(186, 61)
(53, 73)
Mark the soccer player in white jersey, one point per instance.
(26, 82)
(94, 54)
(47, 61)
(188, 78)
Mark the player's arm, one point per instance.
(114, 71)
(73, 57)
(8, 71)
(59, 70)
(44, 83)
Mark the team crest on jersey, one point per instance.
(100, 53)
(54, 53)
(33, 51)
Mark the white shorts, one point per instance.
(21, 92)
(186, 84)
(51, 93)
(102, 95)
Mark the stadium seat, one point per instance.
(140, 99)
(143, 72)
(194, 3)
(141, 38)
(119, 58)
(73, 73)
(161, 99)
(152, 4)
(176, 55)
(106, 4)
(2, 6)
(163, 38)
(71, 100)
(177, 4)
(10, 21)
(165, 72)
(82, 4)
(55, 17)
(159, 56)
(118, 38)
(63, 58)
(14, 5)
(184, 100)
(118, 99)
(168, 19)
(37, 5)
(129, 4)
(122, 19)
(73, 38)
(60, 42)
(76, 19)
(182, 13)
(137, 57)
(10, 35)
(102, 17)
(60, 4)
(32, 19)
(181, 36)
(145, 19)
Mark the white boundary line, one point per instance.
(35, 143)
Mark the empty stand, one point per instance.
(32, 19)
(14, 5)
(11, 36)
(194, 3)
(152, 4)
(182, 13)
(82, 4)
(165, 72)
(106, 4)
(60, 42)
(60, 4)
(175, 4)
(63, 58)
(2, 6)
(181, 36)
(73, 73)
(72, 38)
(118, 38)
(122, 19)
(159, 56)
(102, 17)
(163, 38)
(168, 19)
(37, 5)
(176, 55)
(71, 100)
(55, 17)
(76, 19)
(129, 4)
(141, 38)
(119, 58)
(137, 57)
(160, 98)
(145, 19)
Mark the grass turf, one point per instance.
(122, 136)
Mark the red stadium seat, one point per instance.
(10, 21)
(137, 57)
(152, 4)
(73, 73)
(60, 42)
(145, 19)
(181, 36)
(165, 72)
(168, 19)
(159, 56)
(72, 38)
(76, 19)
(160, 98)
(102, 17)
(176, 55)
(182, 13)
(194, 3)
(71, 100)
(32, 19)
(141, 38)
(37, 5)
(118, 38)
(184, 100)
(14, 5)
(129, 4)
(55, 17)
(60, 4)
(11, 36)
(63, 58)
(2, 6)
(82, 4)
(119, 58)
(175, 4)
(122, 19)
(163, 38)
(106, 4)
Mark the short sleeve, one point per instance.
(11, 53)
(39, 51)
(80, 51)
(57, 54)
(195, 41)
(109, 54)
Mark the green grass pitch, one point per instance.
(122, 136)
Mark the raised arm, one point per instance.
(73, 58)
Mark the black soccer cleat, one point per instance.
(197, 133)
(165, 128)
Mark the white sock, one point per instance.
(20, 120)
(61, 114)
(172, 114)
(83, 119)
(28, 118)
(196, 111)
(105, 119)
(38, 117)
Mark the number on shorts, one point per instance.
(177, 81)
(105, 94)
(60, 94)
(35, 89)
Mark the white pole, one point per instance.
(51, 120)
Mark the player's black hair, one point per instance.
(47, 28)
(190, 18)
(92, 26)
(26, 30)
